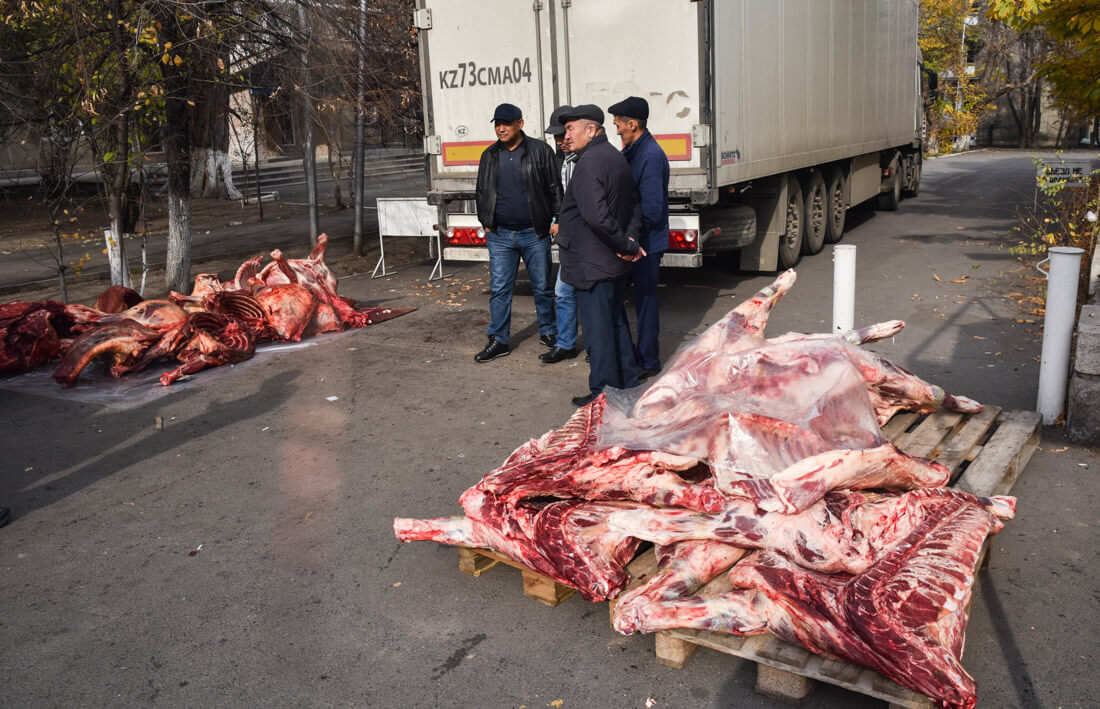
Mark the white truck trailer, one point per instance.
(776, 115)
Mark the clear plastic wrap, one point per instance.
(97, 386)
(749, 413)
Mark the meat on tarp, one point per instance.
(220, 322)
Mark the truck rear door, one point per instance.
(477, 54)
(610, 49)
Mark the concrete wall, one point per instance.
(1083, 407)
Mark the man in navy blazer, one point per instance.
(596, 246)
(649, 166)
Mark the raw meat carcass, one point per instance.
(34, 332)
(125, 336)
(845, 532)
(124, 340)
(682, 569)
(116, 299)
(904, 617)
(566, 541)
(313, 273)
(244, 307)
(159, 315)
(289, 308)
(805, 482)
(566, 463)
(781, 421)
(28, 342)
(212, 340)
(733, 353)
(694, 366)
(207, 283)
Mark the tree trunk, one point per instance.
(116, 169)
(177, 153)
(177, 149)
(305, 105)
(212, 172)
(177, 270)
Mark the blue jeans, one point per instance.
(565, 299)
(506, 247)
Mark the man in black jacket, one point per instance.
(597, 243)
(518, 198)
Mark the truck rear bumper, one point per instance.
(480, 253)
(465, 253)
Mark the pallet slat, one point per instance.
(898, 424)
(1001, 461)
(543, 589)
(922, 440)
(961, 444)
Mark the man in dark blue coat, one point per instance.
(596, 244)
(649, 168)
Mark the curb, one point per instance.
(955, 155)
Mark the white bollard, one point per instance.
(1061, 307)
(844, 288)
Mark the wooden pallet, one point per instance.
(985, 452)
(542, 588)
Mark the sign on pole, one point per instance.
(1071, 171)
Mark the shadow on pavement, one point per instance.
(124, 439)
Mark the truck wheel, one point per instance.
(790, 243)
(912, 175)
(838, 207)
(815, 210)
(888, 201)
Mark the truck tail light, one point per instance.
(465, 236)
(683, 239)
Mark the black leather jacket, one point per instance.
(541, 179)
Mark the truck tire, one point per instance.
(913, 164)
(838, 206)
(790, 242)
(815, 210)
(888, 201)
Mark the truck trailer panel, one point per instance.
(752, 101)
(807, 82)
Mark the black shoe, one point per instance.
(548, 341)
(583, 400)
(5, 515)
(587, 357)
(644, 374)
(557, 354)
(493, 349)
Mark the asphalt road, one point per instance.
(244, 555)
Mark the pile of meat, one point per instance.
(219, 323)
(762, 459)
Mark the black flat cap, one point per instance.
(508, 113)
(633, 107)
(557, 127)
(586, 111)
